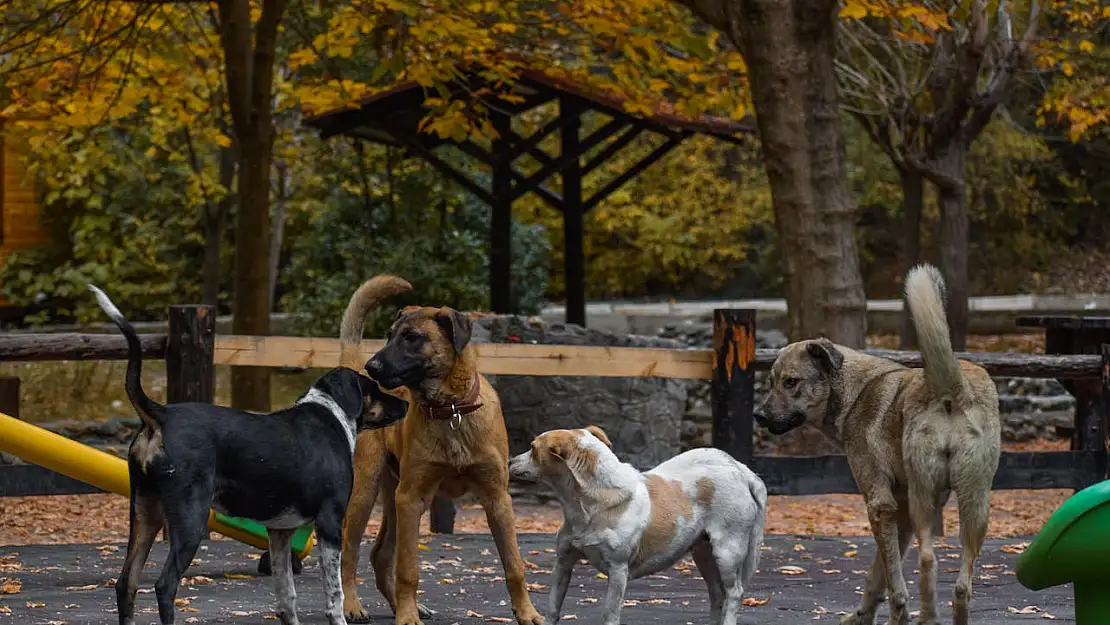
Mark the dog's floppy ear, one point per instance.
(600, 434)
(457, 327)
(826, 354)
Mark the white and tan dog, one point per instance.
(630, 524)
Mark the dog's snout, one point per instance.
(760, 417)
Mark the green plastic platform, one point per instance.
(1074, 547)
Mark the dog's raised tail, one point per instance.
(364, 299)
(148, 409)
(925, 295)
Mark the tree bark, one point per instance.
(913, 200)
(250, 78)
(789, 47)
(214, 229)
(279, 228)
(952, 196)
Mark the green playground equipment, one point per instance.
(1074, 547)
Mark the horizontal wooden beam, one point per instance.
(74, 346)
(505, 358)
(783, 475)
(819, 475)
(28, 480)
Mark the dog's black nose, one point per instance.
(760, 417)
(373, 368)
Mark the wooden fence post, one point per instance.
(442, 516)
(9, 396)
(1098, 425)
(190, 355)
(734, 382)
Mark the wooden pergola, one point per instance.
(393, 118)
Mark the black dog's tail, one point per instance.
(149, 410)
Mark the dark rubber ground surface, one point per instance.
(462, 581)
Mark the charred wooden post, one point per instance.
(9, 396)
(190, 355)
(734, 382)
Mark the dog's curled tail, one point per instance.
(925, 295)
(364, 299)
(149, 410)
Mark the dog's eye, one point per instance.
(411, 337)
(789, 383)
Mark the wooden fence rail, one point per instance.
(192, 349)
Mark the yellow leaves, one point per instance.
(853, 11)
(1067, 68)
(1086, 46)
(222, 140)
(302, 57)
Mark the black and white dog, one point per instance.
(282, 469)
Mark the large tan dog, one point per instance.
(909, 434)
(454, 442)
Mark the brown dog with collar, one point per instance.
(453, 441)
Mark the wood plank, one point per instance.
(817, 475)
(24, 480)
(70, 346)
(545, 360)
(783, 475)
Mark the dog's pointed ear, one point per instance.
(826, 354)
(600, 434)
(457, 327)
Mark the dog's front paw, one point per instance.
(408, 619)
(529, 616)
(355, 614)
(855, 618)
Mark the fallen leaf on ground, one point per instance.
(791, 570)
(830, 571)
(5, 610)
(1048, 616)
(499, 619)
(34, 604)
(602, 576)
(752, 602)
(181, 602)
(237, 576)
(1029, 609)
(799, 547)
(10, 586)
(1016, 548)
(76, 588)
(851, 554)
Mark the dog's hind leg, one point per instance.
(369, 462)
(707, 566)
(329, 532)
(876, 586)
(146, 520)
(282, 571)
(187, 513)
(974, 506)
(384, 551)
(923, 505)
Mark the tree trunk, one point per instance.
(913, 200)
(954, 239)
(249, 64)
(279, 228)
(789, 47)
(214, 229)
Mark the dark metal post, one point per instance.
(734, 382)
(501, 221)
(442, 516)
(1096, 429)
(190, 355)
(574, 263)
(9, 396)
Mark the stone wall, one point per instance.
(1031, 408)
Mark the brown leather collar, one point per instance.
(455, 410)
